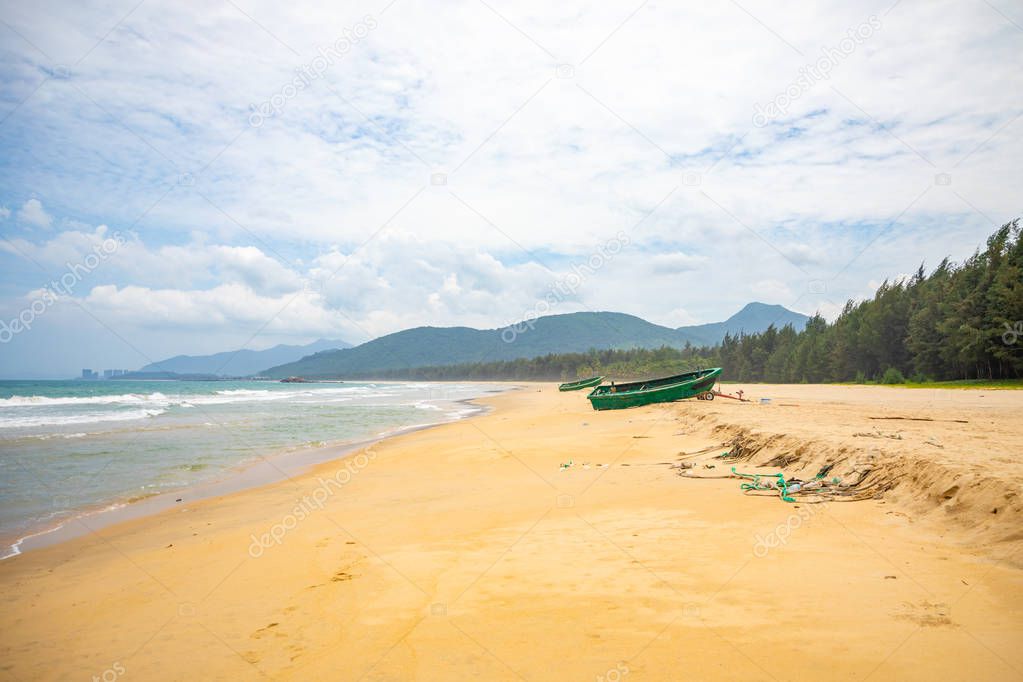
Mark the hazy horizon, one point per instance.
(226, 370)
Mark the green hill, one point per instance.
(574, 332)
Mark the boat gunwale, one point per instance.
(581, 383)
(639, 391)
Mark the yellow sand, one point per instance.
(465, 552)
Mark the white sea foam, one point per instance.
(17, 411)
(15, 548)
(86, 418)
(121, 399)
(217, 397)
(160, 400)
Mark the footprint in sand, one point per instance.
(258, 634)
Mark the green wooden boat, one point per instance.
(665, 390)
(582, 383)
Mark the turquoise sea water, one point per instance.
(72, 447)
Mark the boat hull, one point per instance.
(663, 391)
(581, 384)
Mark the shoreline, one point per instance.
(468, 550)
(261, 471)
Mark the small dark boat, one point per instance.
(664, 390)
(582, 383)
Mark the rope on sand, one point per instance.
(818, 490)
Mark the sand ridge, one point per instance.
(948, 457)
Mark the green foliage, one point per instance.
(961, 322)
(620, 364)
(893, 376)
(973, 384)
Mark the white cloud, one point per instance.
(32, 214)
(254, 268)
(679, 317)
(562, 166)
(420, 282)
(676, 262)
(652, 135)
(801, 254)
(227, 305)
(771, 291)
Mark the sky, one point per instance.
(201, 176)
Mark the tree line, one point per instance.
(618, 364)
(961, 321)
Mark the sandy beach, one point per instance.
(468, 551)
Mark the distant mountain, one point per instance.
(241, 363)
(754, 317)
(424, 346)
(574, 332)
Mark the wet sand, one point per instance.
(466, 551)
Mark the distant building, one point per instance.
(89, 374)
(111, 373)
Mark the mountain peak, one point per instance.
(759, 305)
(757, 316)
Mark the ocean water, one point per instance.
(69, 448)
